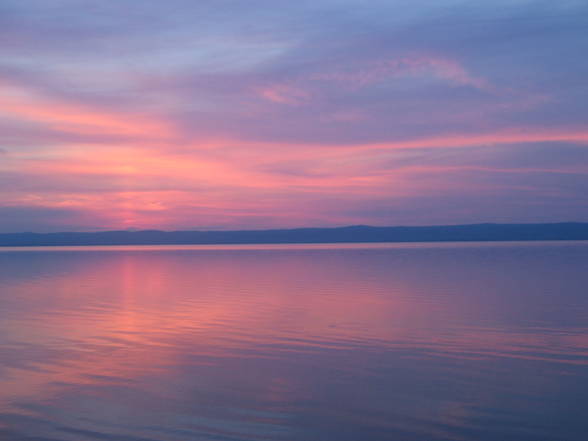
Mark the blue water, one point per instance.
(414, 342)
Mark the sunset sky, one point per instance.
(218, 114)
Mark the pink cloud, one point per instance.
(162, 177)
(21, 103)
(285, 94)
(415, 65)
(354, 76)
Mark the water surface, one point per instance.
(412, 342)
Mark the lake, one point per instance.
(382, 342)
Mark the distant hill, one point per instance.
(359, 233)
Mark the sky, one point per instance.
(225, 114)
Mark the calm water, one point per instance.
(422, 342)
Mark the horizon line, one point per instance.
(198, 230)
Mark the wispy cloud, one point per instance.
(189, 114)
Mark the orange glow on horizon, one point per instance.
(157, 176)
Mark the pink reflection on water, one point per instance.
(257, 324)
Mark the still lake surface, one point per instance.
(383, 342)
